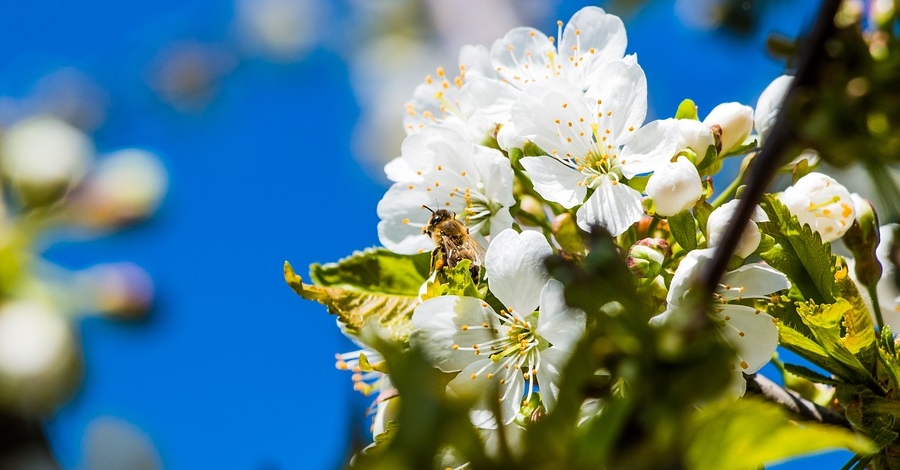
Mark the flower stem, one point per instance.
(876, 305)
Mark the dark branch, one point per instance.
(802, 408)
(781, 138)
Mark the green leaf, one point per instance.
(748, 434)
(744, 148)
(810, 350)
(453, 281)
(701, 213)
(686, 110)
(798, 252)
(825, 322)
(375, 270)
(355, 308)
(871, 414)
(684, 229)
(810, 374)
(708, 158)
(859, 337)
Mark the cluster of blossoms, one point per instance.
(53, 181)
(531, 146)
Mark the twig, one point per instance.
(764, 167)
(802, 408)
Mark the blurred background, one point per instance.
(272, 119)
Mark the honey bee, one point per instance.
(454, 243)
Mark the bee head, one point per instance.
(437, 216)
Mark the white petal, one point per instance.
(515, 269)
(557, 116)
(736, 121)
(558, 323)
(442, 322)
(675, 187)
(769, 104)
(759, 339)
(687, 273)
(614, 206)
(476, 61)
(753, 281)
(555, 181)
(695, 136)
(600, 38)
(398, 170)
(553, 360)
(622, 91)
(479, 379)
(649, 147)
(402, 218)
(719, 221)
(522, 56)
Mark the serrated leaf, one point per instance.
(798, 252)
(810, 374)
(375, 270)
(859, 337)
(869, 413)
(356, 308)
(825, 322)
(808, 349)
(684, 229)
(748, 434)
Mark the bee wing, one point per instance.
(460, 248)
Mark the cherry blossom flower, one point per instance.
(439, 171)
(524, 344)
(751, 332)
(720, 219)
(733, 121)
(594, 141)
(675, 187)
(822, 203)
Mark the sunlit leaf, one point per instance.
(355, 308)
(748, 434)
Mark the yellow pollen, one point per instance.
(454, 347)
(463, 173)
(440, 168)
(410, 186)
(473, 376)
(559, 23)
(592, 50)
(484, 325)
(570, 123)
(727, 318)
(405, 221)
(744, 365)
(531, 34)
(464, 327)
(741, 334)
(847, 210)
(440, 71)
(557, 121)
(490, 376)
(631, 129)
(565, 105)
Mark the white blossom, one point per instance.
(45, 153)
(769, 105)
(594, 140)
(822, 203)
(525, 344)
(442, 172)
(735, 122)
(751, 332)
(719, 221)
(675, 187)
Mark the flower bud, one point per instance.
(125, 186)
(862, 240)
(531, 206)
(720, 219)
(732, 122)
(769, 104)
(675, 187)
(822, 203)
(567, 234)
(38, 360)
(696, 136)
(119, 290)
(645, 258)
(43, 157)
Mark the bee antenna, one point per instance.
(429, 209)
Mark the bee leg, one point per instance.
(438, 261)
(475, 271)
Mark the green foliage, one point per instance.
(453, 281)
(798, 252)
(356, 306)
(684, 229)
(748, 434)
(374, 270)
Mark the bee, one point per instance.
(454, 243)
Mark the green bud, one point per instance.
(531, 411)
(646, 257)
(862, 239)
(567, 234)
